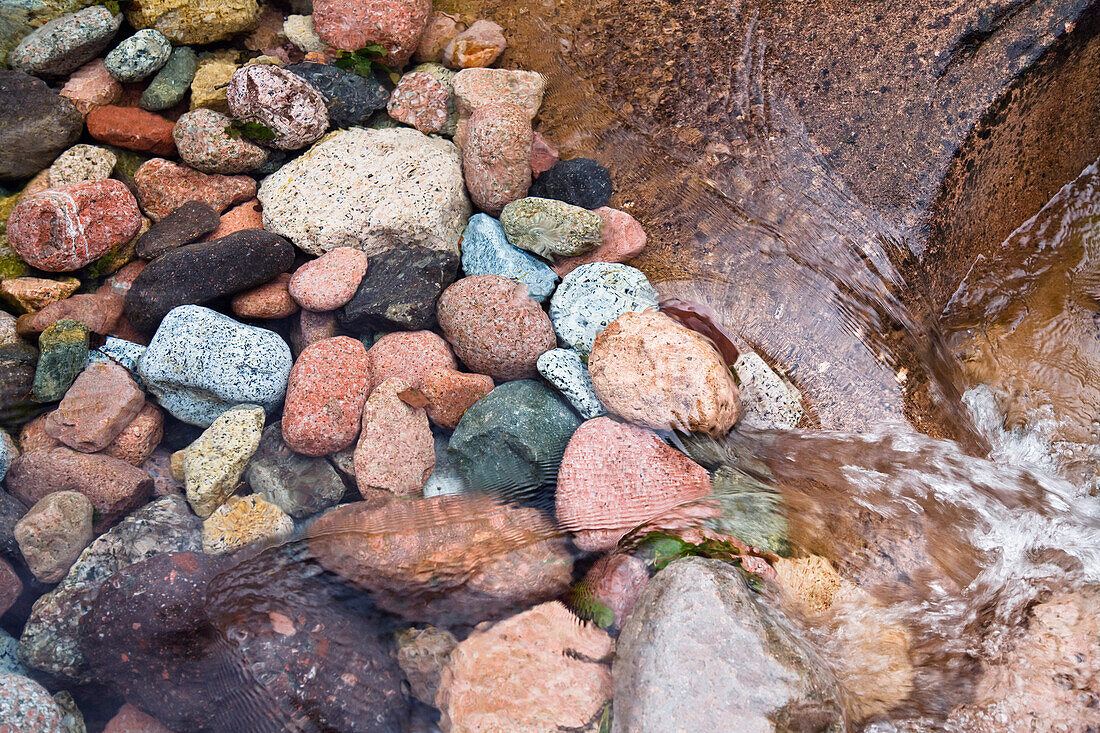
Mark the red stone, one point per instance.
(164, 186)
(140, 438)
(131, 720)
(62, 229)
(10, 586)
(543, 156)
(614, 583)
(420, 100)
(330, 281)
(354, 24)
(621, 239)
(97, 311)
(248, 215)
(328, 387)
(496, 156)
(99, 405)
(396, 450)
(270, 300)
(91, 86)
(450, 393)
(132, 128)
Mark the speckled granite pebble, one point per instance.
(486, 251)
(551, 228)
(330, 281)
(139, 56)
(420, 100)
(205, 144)
(82, 163)
(353, 24)
(496, 156)
(65, 43)
(281, 101)
(53, 533)
(396, 450)
(164, 186)
(201, 362)
(592, 296)
(170, 85)
(9, 655)
(565, 369)
(766, 400)
(26, 707)
(350, 99)
(214, 464)
(8, 453)
(243, 521)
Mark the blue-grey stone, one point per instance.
(66, 43)
(565, 369)
(121, 351)
(592, 296)
(9, 655)
(138, 56)
(445, 478)
(486, 251)
(200, 363)
(172, 82)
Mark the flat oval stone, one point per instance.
(328, 387)
(65, 43)
(330, 281)
(350, 99)
(205, 144)
(281, 101)
(132, 128)
(200, 363)
(170, 85)
(201, 272)
(36, 124)
(551, 228)
(138, 56)
(186, 224)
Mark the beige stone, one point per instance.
(53, 533)
(212, 77)
(243, 521)
(213, 464)
(187, 22)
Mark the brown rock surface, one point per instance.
(137, 441)
(103, 400)
(270, 300)
(164, 186)
(422, 654)
(97, 311)
(396, 450)
(53, 533)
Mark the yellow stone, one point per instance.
(242, 521)
(213, 464)
(211, 79)
(809, 583)
(188, 22)
(30, 294)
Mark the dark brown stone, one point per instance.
(183, 226)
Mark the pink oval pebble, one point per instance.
(420, 100)
(396, 450)
(270, 300)
(354, 24)
(325, 396)
(330, 281)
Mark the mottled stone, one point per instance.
(495, 327)
(311, 328)
(9, 654)
(592, 296)
(186, 224)
(26, 706)
(212, 76)
(566, 370)
(63, 229)
(132, 128)
(578, 181)
(137, 441)
(170, 85)
(11, 587)
(270, 300)
(486, 251)
(420, 100)
(101, 403)
(330, 281)
(53, 533)
(63, 351)
(139, 56)
(652, 371)
(191, 22)
(281, 101)
(91, 86)
(610, 590)
(476, 47)
(164, 186)
(474, 88)
(17, 368)
(438, 32)
(445, 479)
(422, 653)
(539, 670)
(299, 485)
(551, 228)
(66, 42)
(200, 363)
(375, 190)
(131, 720)
(299, 30)
(509, 443)
(213, 464)
(396, 25)
(328, 387)
(205, 143)
(9, 451)
(396, 451)
(82, 163)
(400, 290)
(30, 294)
(36, 124)
(496, 156)
(621, 239)
(350, 99)
(767, 401)
(244, 521)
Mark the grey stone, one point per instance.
(184, 225)
(172, 82)
(565, 369)
(11, 511)
(399, 290)
(8, 453)
(701, 653)
(200, 363)
(350, 99)
(36, 125)
(551, 228)
(9, 655)
(486, 251)
(299, 485)
(592, 296)
(767, 401)
(138, 56)
(66, 43)
(445, 478)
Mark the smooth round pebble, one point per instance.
(551, 228)
(328, 387)
(139, 56)
(330, 281)
(26, 706)
(579, 181)
(486, 251)
(205, 144)
(592, 296)
(66, 42)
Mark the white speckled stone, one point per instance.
(766, 400)
(213, 464)
(65, 43)
(139, 56)
(299, 30)
(375, 190)
(9, 655)
(445, 478)
(565, 369)
(82, 163)
(26, 706)
(200, 363)
(594, 295)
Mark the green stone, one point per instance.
(750, 510)
(510, 443)
(172, 82)
(550, 228)
(64, 352)
(11, 264)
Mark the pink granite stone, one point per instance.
(270, 300)
(248, 215)
(330, 281)
(140, 438)
(92, 86)
(103, 400)
(351, 25)
(396, 450)
(325, 396)
(496, 156)
(164, 186)
(420, 100)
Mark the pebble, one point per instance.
(611, 589)
(330, 281)
(652, 371)
(767, 401)
(137, 441)
(615, 477)
(438, 32)
(494, 327)
(66, 42)
(164, 186)
(200, 363)
(299, 30)
(36, 125)
(536, 671)
(212, 76)
(270, 300)
(579, 181)
(328, 387)
(97, 311)
(420, 100)
(201, 272)
(299, 485)
(91, 86)
(280, 100)
(369, 189)
(543, 155)
(139, 56)
(496, 156)
(396, 450)
(131, 720)
(53, 533)
(63, 229)
(11, 587)
(242, 216)
(478, 46)
(114, 487)
(120, 351)
(422, 652)
(132, 128)
(351, 25)
(30, 294)
(621, 240)
(311, 328)
(550, 228)
(474, 88)
(244, 521)
(63, 350)
(213, 464)
(565, 369)
(26, 706)
(400, 290)
(592, 296)
(184, 225)
(172, 82)
(82, 163)
(445, 479)
(194, 22)
(450, 393)
(17, 362)
(510, 442)
(102, 401)
(486, 251)
(349, 98)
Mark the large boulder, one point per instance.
(36, 125)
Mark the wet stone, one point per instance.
(205, 144)
(420, 100)
(132, 128)
(11, 587)
(123, 352)
(186, 224)
(66, 42)
(26, 706)
(550, 228)
(767, 401)
(476, 47)
(82, 163)
(131, 720)
(172, 82)
(92, 86)
(9, 655)
(164, 186)
(396, 450)
(99, 405)
(299, 485)
(475, 88)
(486, 251)
(139, 439)
(422, 653)
(438, 32)
(212, 76)
(565, 369)
(396, 25)
(267, 301)
(330, 281)
(63, 350)
(281, 101)
(578, 181)
(621, 240)
(496, 156)
(399, 290)
(350, 99)
(53, 533)
(592, 296)
(543, 155)
(244, 521)
(36, 125)
(17, 370)
(30, 294)
(139, 56)
(98, 311)
(187, 22)
(213, 464)
(328, 387)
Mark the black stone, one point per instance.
(579, 181)
(400, 290)
(36, 125)
(18, 362)
(183, 226)
(350, 98)
(11, 511)
(200, 273)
